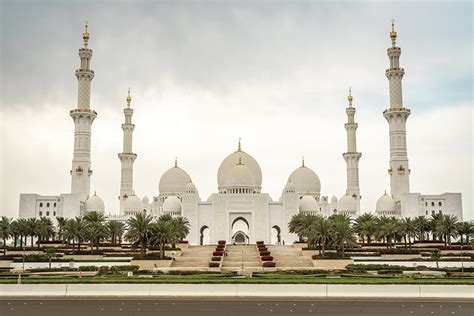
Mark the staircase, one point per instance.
(233, 261)
(289, 257)
(195, 257)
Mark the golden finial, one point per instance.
(175, 162)
(239, 147)
(85, 35)
(393, 34)
(302, 161)
(129, 97)
(349, 97)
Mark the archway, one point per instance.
(275, 238)
(205, 237)
(240, 231)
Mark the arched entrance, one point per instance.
(205, 238)
(240, 231)
(275, 238)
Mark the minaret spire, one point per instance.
(239, 148)
(396, 116)
(127, 156)
(83, 117)
(352, 157)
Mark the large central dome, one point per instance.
(231, 161)
(306, 181)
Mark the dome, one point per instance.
(385, 203)
(230, 161)
(95, 204)
(305, 180)
(334, 199)
(308, 204)
(289, 188)
(172, 205)
(145, 200)
(190, 188)
(240, 176)
(133, 203)
(347, 203)
(174, 180)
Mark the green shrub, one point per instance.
(213, 264)
(103, 270)
(88, 268)
(216, 258)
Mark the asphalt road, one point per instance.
(228, 307)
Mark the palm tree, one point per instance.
(436, 255)
(162, 233)
(447, 227)
(388, 229)
(23, 230)
(407, 229)
(15, 231)
(181, 228)
(433, 223)
(320, 234)
(45, 229)
(300, 224)
(422, 225)
(139, 230)
(61, 226)
(95, 228)
(465, 229)
(365, 226)
(342, 233)
(5, 232)
(75, 230)
(115, 229)
(31, 228)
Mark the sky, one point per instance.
(204, 73)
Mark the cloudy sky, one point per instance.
(204, 73)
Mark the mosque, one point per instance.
(239, 211)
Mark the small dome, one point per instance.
(95, 204)
(385, 203)
(229, 162)
(289, 188)
(174, 180)
(306, 181)
(334, 199)
(172, 205)
(308, 204)
(240, 176)
(190, 188)
(347, 203)
(133, 204)
(145, 200)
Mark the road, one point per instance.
(229, 307)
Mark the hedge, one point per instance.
(268, 264)
(264, 253)
(214, 264)
(267, 258)
(221, 242)
(218, 253)
(216, 258)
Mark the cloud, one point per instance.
(204, 74)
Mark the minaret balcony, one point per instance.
(82, 111)
(397, 110)
(394, 69)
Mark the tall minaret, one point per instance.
(83, 116)
(127, 157)
(352, 156)
(397, 116)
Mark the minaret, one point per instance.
(83, 116)
(127, 157)
(397, 116)
(352, 156)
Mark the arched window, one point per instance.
(432, 203)
(54, 204)
(41, 204)
(40, 213)
(440, 204)
(47, 204)
(426, 203)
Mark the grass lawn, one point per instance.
(266, 278)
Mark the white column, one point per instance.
(397, 116)
(83, 118)
(127, 157)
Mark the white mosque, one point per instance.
(239, 211)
